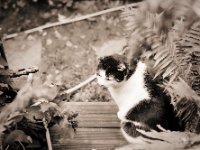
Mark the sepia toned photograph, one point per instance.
(99, 74)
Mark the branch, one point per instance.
(24, 72)
(67, 21)
(80, 85)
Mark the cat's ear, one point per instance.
(121, 67)
(100, 58)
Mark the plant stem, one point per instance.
(22, 145)
(80, 85)
(1, 140)
(7, 147)
(49, 144)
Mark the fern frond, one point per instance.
(179, 90)
(168, 32)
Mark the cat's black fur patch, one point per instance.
(157, 110)
(110, 65)
(151, 86)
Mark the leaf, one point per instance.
(160, 68)
(160, 53)
(160, 59)
(61, 18)
(66, 125)
(49, 106)
(180, 90)
(171, 140)
(12, 120)
(48, 92)
(148, 54)
(17, 135)
(34, 114)
(159, 72)
(16, 117)
(64, 128)
(164, 64)
(168, 71)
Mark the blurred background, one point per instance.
(66, 51)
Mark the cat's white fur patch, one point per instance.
(103, 80)
(129, 93)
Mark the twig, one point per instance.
(7, 147)
(1, 142)
(22, 145)
(67, 21)
(24, 72)
(90, 79)
(49, 144)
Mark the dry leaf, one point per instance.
(17, 135)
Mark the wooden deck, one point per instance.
(98, 128)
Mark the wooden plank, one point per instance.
(94, 114)
(89, 138)
(95, 120)
(91, 107)
(98, 127)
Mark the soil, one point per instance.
(65, 52)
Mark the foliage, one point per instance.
(167, 32)
(26, 120)
(5, 4)
(7, 94)
(171, 140)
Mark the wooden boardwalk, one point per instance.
(98, 128)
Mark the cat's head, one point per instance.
(112, 70)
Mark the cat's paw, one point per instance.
(129, 128)
(121, 115)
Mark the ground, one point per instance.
(66, 51)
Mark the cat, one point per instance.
(141, 103)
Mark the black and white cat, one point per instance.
(142, 104)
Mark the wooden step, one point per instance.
(98, 128)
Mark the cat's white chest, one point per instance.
(131, 92)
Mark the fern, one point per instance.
(178, 92)
(169, 33)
